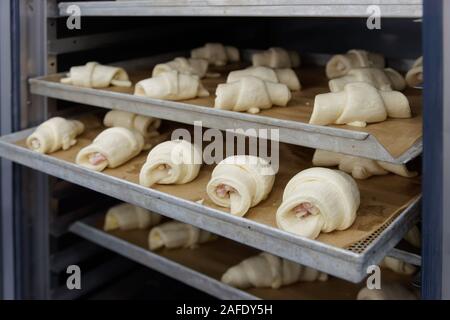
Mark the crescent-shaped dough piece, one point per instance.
(359, 104)
(196, 67)
(251, 94)
(240, 182)
(171, 85)
(95, 75)
(414, 77)
(339, 65)
(173, 235)
(55, 134)
(285, 76)
(128, 217)
(111, 148)
(398, 266)
(318, 200)
(359, 168)
(386, 79)
(276, 58)
(216, 54)
(171, 162)
(268, 271)
(146, 126)
(414, 237)
(388, 291)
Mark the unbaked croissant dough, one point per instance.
(414, 237)
(339, 65)
(285, 76)
(197, 67)
(359, 168)
(128, 217)
(240, 182)
(171, 162)
(55, 134)
(175, 234)
(171, 85)
(251, 94)
(414, 77)
(95, 75)
(268, 271)
(216, 54)
(387, 79)
(388, 291)
(398, 266)
(359, 104)
(318, 200)
(111, 148)
(276, 58)
(146, 126)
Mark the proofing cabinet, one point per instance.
(52, 209)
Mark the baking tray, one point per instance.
(203, 266)
(348, 263)
(375, 141)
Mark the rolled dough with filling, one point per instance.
(398, 266)
(171, 162)
(216, 54)
(240, 182)
(388, 291)
(128, 217)
(196, 67)
(276, 58)
(95, 75)
(387, 79)
(251, 94)
(359, 104)
(318, 200)
(55, 134)
(414, 77)
(285, 76)
(339, 65)
(171, 85)
(110, 149)
(359, 168)
(269, 271)
(173, 235)
(414, 237)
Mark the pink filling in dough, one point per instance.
(223, 190)
(96, 158)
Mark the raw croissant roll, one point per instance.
(414, 77)
(268, 271)
(251, 94)
(387, 79)
(359, 104)
(171, 162)
(216, 54)
(146, 126)
(175, 234)
(276, 58)
(171, 85)
(388, 291)
(240, 182)
(397, 266)
(128, 217)
(339, 65)
(318, 200)
(414, 237)
(111, 148)
(359, 168)
(95, 75)
(285, 76)
(197, 67)
(55, 134)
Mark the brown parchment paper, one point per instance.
(214, 258)
(396, 135)
(382, 198)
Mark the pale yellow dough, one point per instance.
(95, 75)
(128, 217)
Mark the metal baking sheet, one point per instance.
(342, 263)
